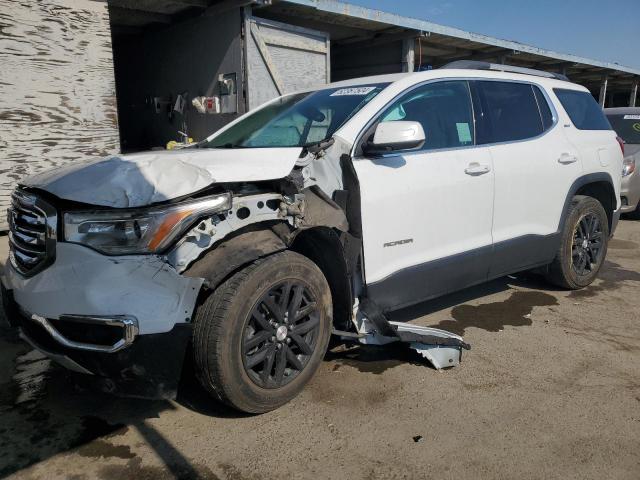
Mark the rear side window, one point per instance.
(510, 111)
(583, 110)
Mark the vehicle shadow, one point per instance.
(46, 410)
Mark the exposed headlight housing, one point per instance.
(628, 166)
(146, 230)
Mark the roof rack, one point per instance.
(477, 65)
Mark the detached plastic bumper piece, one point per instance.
(443, 349)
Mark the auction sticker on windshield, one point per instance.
(359, 91)
(632, 117)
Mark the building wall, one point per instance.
(57, 88)
(184, 57)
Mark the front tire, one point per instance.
(260, 337)
(584, 241)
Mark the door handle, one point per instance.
(567, 158)
(477, 169)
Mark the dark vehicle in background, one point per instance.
(626, 123)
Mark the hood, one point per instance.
(141, 179)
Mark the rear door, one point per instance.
(534, 168)
(587, 128)
(426, 214)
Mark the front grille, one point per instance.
(32, 233)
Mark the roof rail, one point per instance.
(477, 65)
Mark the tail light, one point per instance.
(621, 143)
(628, 166)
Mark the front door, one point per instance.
(427, 213)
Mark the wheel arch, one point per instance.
(322, 245)
(238, 250)
(596, 185)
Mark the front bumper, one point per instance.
(126, 320)
(630, 192)
(150, 367)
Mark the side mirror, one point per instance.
(395, 136)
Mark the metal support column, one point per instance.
(634, 93)
(603, 90)
(408, 54)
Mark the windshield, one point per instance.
(297, 120)
(627, 127)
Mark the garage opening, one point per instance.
(219, 54)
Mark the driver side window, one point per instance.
(444, 111)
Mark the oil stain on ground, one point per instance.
(493, 317)
(608, 279)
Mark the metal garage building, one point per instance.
(83, 78)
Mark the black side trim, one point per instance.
(523, 253)
(431, 279)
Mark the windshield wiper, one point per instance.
(322, 145)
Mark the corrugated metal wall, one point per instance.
(283, 58)
(57, 88)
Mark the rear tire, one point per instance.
(583, 245)
(260, 337)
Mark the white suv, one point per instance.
(319, 212)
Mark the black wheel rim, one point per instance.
(586, 250)
(280, 334)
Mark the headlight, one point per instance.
(148, 230)
(628, 166)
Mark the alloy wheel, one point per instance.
(280, 334)
(586, 249)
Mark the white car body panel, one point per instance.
(85, 282)
(531, 184)
(145, 178)
(427, 198)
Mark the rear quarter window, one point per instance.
(583, 110)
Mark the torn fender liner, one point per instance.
(145, 178)
(320, 210)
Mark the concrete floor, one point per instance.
(551, 389)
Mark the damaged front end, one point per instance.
(111, 259)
